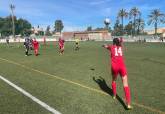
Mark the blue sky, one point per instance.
(76, 14)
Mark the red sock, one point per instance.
(114, 88)
(127, 94)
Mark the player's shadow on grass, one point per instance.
(29, 54)
(104, 87)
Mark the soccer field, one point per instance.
(79, 82)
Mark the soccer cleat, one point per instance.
(129, 107)
(114, 97)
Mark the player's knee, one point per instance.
(125, 84)
(125, 81)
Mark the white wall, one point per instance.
(22, 40)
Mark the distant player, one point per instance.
(77, 44)
(61, 45)
(31, 44)
(35, 46)
(7, 41)
(44, 40)
(118, 67)
(26, 45)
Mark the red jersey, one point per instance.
(116, 54)
(35, 44)
(61, 42)
(117, 60)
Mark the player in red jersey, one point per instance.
(118, 67)
(61, 45)
(35, 46)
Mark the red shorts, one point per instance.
(35, 48)
(119, 69)
(61, 47)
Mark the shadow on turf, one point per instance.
(104, 87)
(29, 54)
(32, 54)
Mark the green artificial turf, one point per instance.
(66, 82)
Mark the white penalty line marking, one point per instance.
(44, 105)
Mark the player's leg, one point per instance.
(126, 87)
(127, 92)
(77, 46)
(113, 84)
(36, 51)
(26, 51)
(62, 50)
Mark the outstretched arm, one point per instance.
(105, 46)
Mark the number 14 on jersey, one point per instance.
(118, 51)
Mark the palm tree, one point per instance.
(134, 13)
(122, 14)
(139, 25)
(155, 18)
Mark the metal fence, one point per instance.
(140, 38)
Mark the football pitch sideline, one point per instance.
(78, 82)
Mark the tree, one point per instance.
(58, 26)
(156, 17)
(139, 23)
(122, 14)
(99, 29)
(117, 29)
(47, 32)
(128, 28)
(103, 29)
(89, 28)
(134, 13)
(21, 26)
(6, 26)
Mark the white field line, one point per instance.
(44, 105)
